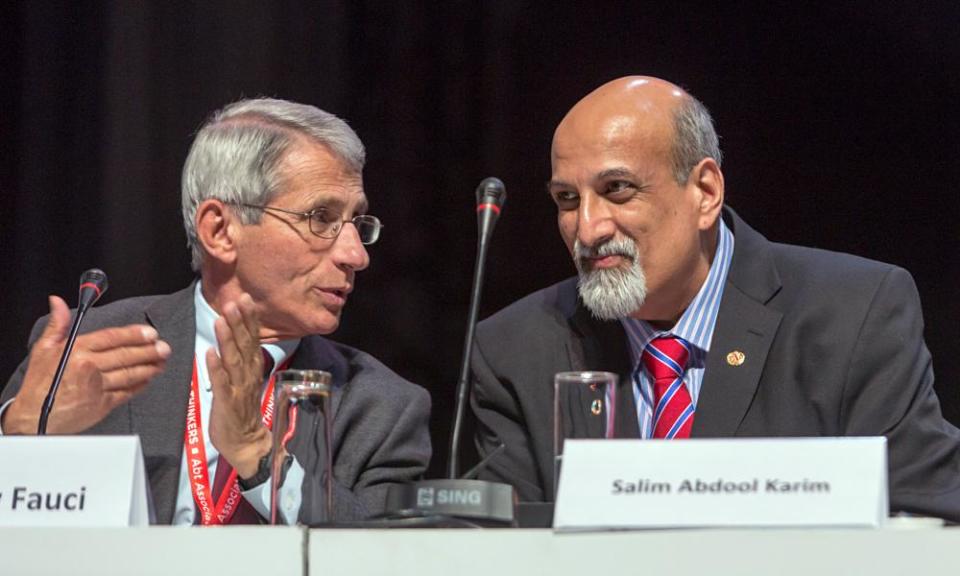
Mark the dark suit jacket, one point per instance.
(380, 427)
(833, 346)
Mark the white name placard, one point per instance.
(622, 484)
(72, 481)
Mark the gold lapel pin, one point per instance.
(736, 358)
(596, 407)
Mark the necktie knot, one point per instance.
(666, 357)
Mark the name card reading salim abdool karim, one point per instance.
(623, 484)
(72, 481)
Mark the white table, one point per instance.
(160, 550)
(768, 552)
(265, 551)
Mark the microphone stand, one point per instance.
(479, 501)
(93, 283)
(463, 384)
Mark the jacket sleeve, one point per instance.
(889, 390)
(380, 438)
(499, 419)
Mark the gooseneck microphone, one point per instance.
(93, 283)
(491, 196)
(456, 501)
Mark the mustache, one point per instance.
(614, 247)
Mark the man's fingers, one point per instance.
(111, 338)
(58, 325)
(231, 358)
(215, 371)
(131, 377)
(251, 318)
(242, 362)
(127, 356)
(236, 315)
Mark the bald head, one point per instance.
(665, 119)
(638, 188)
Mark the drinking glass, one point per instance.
(584, 406)
(299, 394)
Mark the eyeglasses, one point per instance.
(327, 223)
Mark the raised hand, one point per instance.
(236, 374)
(106, 369)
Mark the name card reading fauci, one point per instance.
(72, 481)
(622, 484)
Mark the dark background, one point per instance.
(838, 122)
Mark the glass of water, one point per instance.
(302, 406)
(584, 406)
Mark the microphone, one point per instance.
(93, 284)
(478, 501)
(491, 195)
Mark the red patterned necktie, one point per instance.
(665, 359)
(245, 513)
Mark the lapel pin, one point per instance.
(736, 358)
(596, 407)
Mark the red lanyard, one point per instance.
(221, 511)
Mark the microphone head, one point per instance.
(93, 284)
(491, 191)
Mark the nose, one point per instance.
(349, 251)
(595, 223)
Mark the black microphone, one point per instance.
(475, 502)
(491, 196)
(93, 283)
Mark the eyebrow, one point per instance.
(554, 183)
(615, 173)
(335, 203)
(607, 174)
(362, 206)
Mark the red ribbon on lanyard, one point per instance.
(219, 512)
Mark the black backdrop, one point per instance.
(838, 121)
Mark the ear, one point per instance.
(707, 178)
(217, 227)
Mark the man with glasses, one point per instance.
(275, 216)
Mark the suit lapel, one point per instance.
(159, 412)
(745, 325)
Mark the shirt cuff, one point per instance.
(2, 410)
(289, 496)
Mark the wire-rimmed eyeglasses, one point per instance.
(327, 223)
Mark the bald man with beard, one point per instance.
(772, 340)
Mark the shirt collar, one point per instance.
(698, 320)
(206, 316)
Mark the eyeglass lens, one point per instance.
(368, 227)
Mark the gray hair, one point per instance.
(694, 138)
(237, 152)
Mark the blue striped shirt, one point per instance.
(695, 326)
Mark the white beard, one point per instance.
(611, 293)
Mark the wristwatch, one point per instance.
(261, 476)
(263, 472)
